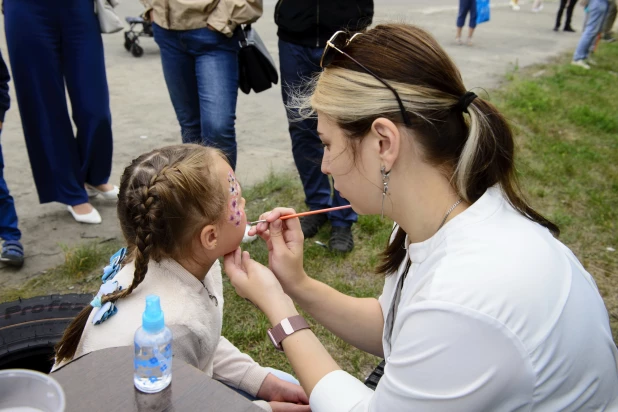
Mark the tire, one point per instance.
(136, 50)
(30, 328)
(127, 45)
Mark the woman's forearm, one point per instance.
(358, 321)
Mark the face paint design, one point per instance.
(235, 213)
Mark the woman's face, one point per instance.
(353, 178)
(234, 221)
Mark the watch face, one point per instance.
(273, 340)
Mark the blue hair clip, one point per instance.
(108, 309)
(115, 264)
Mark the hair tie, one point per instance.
(96, 302)
(465, 100)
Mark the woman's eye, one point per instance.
(324, 146)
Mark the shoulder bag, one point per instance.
(108, 19)
(257, 70)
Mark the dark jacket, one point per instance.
(313, 22)
(5, 100)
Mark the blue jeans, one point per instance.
(297, 64)
(594, 22)
(8, 216)
(52, 44)
(465, 7)
(201, 72)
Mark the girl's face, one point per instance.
(351, 177)
(234, 221)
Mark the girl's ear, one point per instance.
(389, 141)
(209, 236)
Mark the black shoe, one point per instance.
(556, 28)
(341, 239)
(311, 224)
(569, 29)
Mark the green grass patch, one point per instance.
(566, 127)
(80, 273)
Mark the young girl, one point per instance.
(180, 209)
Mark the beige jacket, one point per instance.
(193, 316)
(222, 15)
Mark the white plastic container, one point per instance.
(24, 390)
(153, 350)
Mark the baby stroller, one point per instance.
(131, 37)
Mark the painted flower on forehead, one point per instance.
(235, 216)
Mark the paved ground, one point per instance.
(141, 107)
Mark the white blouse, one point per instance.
(495, 314)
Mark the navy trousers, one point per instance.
(297, 64)
(52, 43)
(8, 216)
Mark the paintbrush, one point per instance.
(312, 212)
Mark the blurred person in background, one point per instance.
(304, 26)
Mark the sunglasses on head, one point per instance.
(336, 44)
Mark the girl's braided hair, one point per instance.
(166, 197)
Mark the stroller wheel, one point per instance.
(136, 50)
(127, 45)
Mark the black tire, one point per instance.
(136, 50)
(127, 45)
(29, 329)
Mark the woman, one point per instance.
(482, 308)
(52, 44)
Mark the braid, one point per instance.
(173, 182)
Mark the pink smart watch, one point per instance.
(285, 329)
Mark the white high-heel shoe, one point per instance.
(93, 218)
(109, 195)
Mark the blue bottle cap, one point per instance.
(152, 319)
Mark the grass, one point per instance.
(566, 127)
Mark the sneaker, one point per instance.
(556, 28)
(537, 9)
(246, 238)
(341, 239)
(311, 224)
(515, 6)
(591, 62)
(608, 39)
(458, 41)
(569, 29)
(12, 253)
(581, 63)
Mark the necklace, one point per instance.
(449, 212)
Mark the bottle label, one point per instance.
(153, 362)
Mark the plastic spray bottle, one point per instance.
(153, 350)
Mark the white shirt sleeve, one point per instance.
(444, 358)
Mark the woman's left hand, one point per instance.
(257, 283)
(277, 390)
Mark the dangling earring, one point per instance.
(385, 178)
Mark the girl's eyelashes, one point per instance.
(324, 146)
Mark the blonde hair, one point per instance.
(476, 151)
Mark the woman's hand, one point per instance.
(283, 396)
(257, 283)
(284, 239)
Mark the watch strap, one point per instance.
(285, 328)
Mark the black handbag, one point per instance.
(257, 70)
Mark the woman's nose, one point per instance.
(324, 166)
